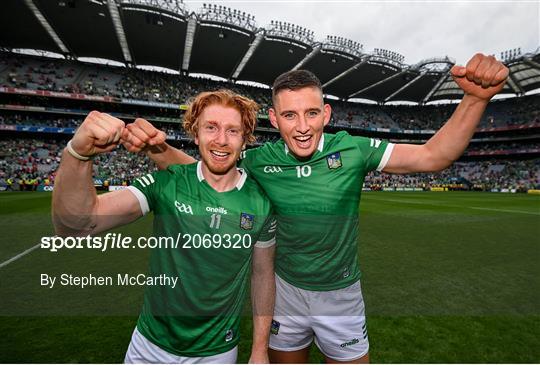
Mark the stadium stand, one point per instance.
(27, 163)
(35, 73)
(504, 154)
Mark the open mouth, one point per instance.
(219, 155)
(303, 141)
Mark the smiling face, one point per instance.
(220, 138)
(300, 115)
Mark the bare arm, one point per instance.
(263, 288)
(76, 207)
(481, 79)
(141, 135)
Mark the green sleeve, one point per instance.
(246, 158)
(147, 187)
(375, 152)
(267, 237)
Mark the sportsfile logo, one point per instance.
(272, 169)
(183, 208)
(354, 341)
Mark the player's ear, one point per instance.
(273, 118)
(327, 113)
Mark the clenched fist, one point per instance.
(142, 135)
(98, 133)
(483, 76)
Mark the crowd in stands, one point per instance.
(475, 175)
(61, 75)
(503, 146)
(27, 163)
(173, 130)
(40, 120)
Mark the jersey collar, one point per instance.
(319, 147)
(239, 183)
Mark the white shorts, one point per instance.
(142, 351)
(335, 319)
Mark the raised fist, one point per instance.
(98, 133)
(142, 135)
(483, 76)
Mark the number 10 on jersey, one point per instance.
(303, 171)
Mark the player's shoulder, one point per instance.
(253, 190)
(265, 149)
(172, 173)
(180, 169)
(344, 139)
(341, 139)
(251, 186)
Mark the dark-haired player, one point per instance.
(314, 181)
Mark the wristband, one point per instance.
(74, 153)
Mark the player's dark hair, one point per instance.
(294, 80)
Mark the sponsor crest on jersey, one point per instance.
(246, 221)
(274, 329)
(334, 161)
(229, 335)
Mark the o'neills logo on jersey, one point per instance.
(219, 210)
(272, 169)
(183, 208)
(354, 341)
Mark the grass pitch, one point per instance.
(447, 277)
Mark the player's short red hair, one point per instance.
(248, 110)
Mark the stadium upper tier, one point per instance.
(36, 73)
(225, 42)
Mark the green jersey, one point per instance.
(213, 237)
(316, 203)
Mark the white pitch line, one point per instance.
(505, 210)
(16, 257)
(460, 206)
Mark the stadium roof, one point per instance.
(225, 42)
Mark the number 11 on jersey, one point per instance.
(215, 220)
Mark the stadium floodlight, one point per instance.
(224, 15)
(172, 6)
(387, 56)
(344, 45)
(511, 54)
(289, 31)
